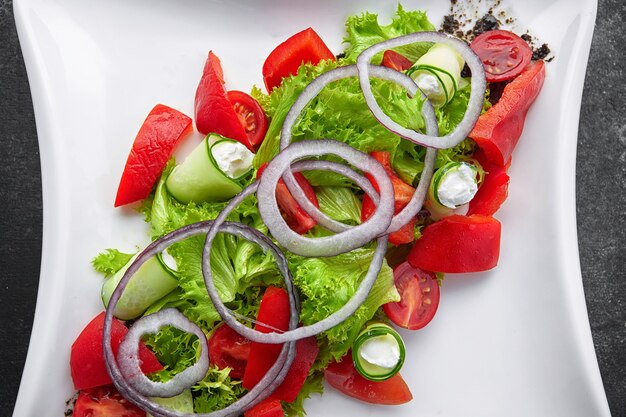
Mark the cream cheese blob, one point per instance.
(457, 187)
(381, 351)
(233, 158)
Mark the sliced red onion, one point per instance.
(474, 106)
(270, 381)
(329, 245)
(130, 364)
(308, 94)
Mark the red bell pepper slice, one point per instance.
(494, 189)
(345, 378)
(458, 244)
(286, 58)
(270, 407)
(214, 112)
(295, 217)
(87, 356)
(498, 130)
(402, 194)
(274, 311)
(158, 136)
(396, 61)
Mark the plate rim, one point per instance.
(566, 170)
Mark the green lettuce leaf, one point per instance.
(364, 31)
(110, 261)
(339, 203)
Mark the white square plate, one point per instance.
(511, 342)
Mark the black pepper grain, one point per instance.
(485, 24)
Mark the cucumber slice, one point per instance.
(440, 184)
(152, 282)
(374, 340)
(199, 179)
(438, 73)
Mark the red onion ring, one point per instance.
(128, 355)
(270, 381)
(474, 106)
(345, 241)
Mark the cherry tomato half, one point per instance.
(419, 297)
(227, 348)
(251, 116)
(104, 401)
(503, 53)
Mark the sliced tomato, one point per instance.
(346, 379)
(396, 61)
(295, 217)
(286, 58)
(159, 134)
(494, 189)
(498, 130)
(419, 297)
(269, 407)
(458, 244)
(227, 348)
(402, 195)
(251, 116)
(274, 312)
(104, 402)
(504, 54)
(87, 358)
(213, 110)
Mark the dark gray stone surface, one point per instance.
(601, 199)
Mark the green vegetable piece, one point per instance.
(438, 73)
(199, 178)
(151, 282)
(387, 339)
(182, 402)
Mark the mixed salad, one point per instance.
(316, 217)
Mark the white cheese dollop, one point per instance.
(233, 158)
(382, 351)
(429, 85)
(457, 187)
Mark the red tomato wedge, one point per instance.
(295, 217)
(251, 116)
(504, 54)
(402, 194)
(396, 61)
(274, 311)
(494, 189)
(227, 348)
(286, 58)
(267, 408)
(345, 378)
(158, 136)
(419, 297)
(499, 129)
(104, 402)
(87, 358)
(213, 110)
(458, 244)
